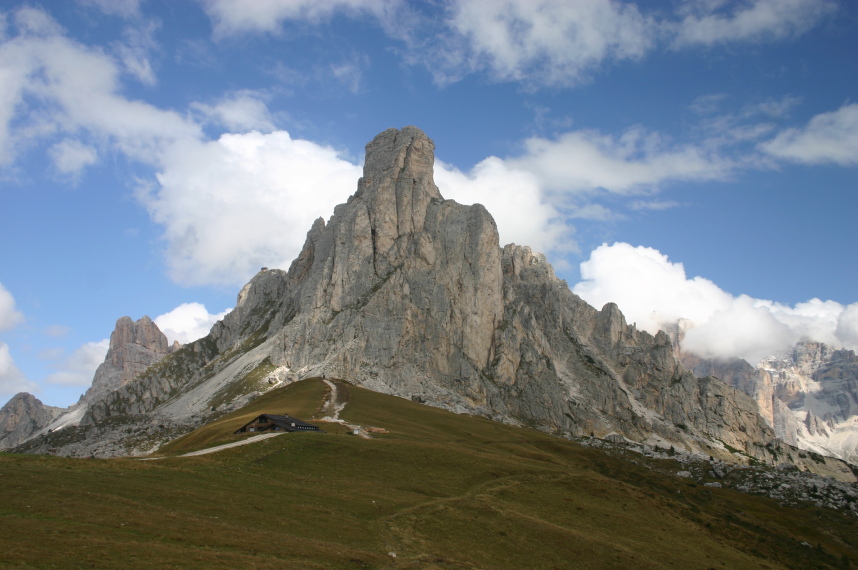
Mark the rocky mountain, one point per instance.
(409, 294)
(21, 417)
(819, 387)
(134, 346)
(808, 395)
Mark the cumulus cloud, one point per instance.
(847, 326)
(187, 322)
(654, 292)
(241, 111)
(12, 380)
(78, 368)
(827, 138)
(243, 201)
(705, 23)
(586, 160)
(9, 315)
(513, 197)
(53, 85)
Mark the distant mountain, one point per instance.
(808, 394)
(409, 294)
(23, 416)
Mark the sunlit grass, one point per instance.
(439, 490)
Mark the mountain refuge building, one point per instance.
(272, 422)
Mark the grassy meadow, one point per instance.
(439, 490)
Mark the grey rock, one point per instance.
(134, 346)
(22, 416)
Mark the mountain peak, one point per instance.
(397, 152)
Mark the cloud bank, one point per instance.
(654, 292)
(536, 42)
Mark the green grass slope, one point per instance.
(439, 491)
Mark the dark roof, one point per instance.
(287, 423)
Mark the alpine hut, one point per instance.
(271, 422)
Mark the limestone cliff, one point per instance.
(134, 346)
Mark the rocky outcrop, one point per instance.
(21, 417)
(818, 386)
(737, 373)
(134, 346)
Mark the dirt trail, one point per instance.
(251, 439)
(334, 405)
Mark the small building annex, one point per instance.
(271, 422)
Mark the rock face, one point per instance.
(808, 394)
(410, 294)
(818, 388)
(21, 417)
(134, 346)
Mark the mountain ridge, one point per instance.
(407, 293)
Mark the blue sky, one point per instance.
(688, 159)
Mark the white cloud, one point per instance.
(743, 328)
(9, 315)
(586, 160)
(241, 111)
(78, 369)
(12, 380)
(187, 322)
(52, 85)
(350, 72)
(827, 138)
(536, 42)
(244, 201)
(653, 292)
(647, 286)
(654, 205)
(552, 42)
(513, 197)
(847, 326)
(230, 17)
(534, 195)
(756, 21)
(71, 156)
(135, 49)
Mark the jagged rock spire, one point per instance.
(133, 347)
(397, 184)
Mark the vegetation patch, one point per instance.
(439, 490)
